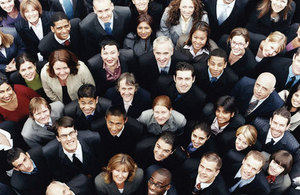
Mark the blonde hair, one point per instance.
(249, 133)
(276, 37)
(7, 39)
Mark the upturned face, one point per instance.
(186, 9)
(275, 169)
(7, 5)
(6, 93)
(183, 81)
(141, 5)
(296, 99)
(278, 5)
(31, 15)
(67, 136)
(42, 114)
(238, 45)
(163, 54)
(120, 174)
(250, 167)
(207, 171)
(126, 91)
(103, 10)
(28, 71)
(216, 65)
(199, 39)
(198, 138)
(278, 125)
(223, 116)
(241, 142)
(23, 163)
(270, 49)
(162, 150)
(61, 29)
(144, 30)
(161, 114)
(61, 70)
(87, 105)
(115, 124)
(110, 55)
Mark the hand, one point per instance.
(296, 181)
(11, 66)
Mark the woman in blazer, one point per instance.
(63, 75)
(162, 117)
(179, 17)
(33, 26)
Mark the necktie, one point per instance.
(223, 16)
(107, 28)
(68, 8)
(77, 162)
(197, 189)
(271, 179)
(290, 83)
(269, 145)
(237, 181)
(67, 43)
(178, 97)
(49, 127)
(164, 71)
(213, 80)
(89, 117)
(251, 107)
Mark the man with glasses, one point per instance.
(72, 152)
(160, 183)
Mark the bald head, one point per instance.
(264, 85)
(58, 188)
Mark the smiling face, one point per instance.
(61, 29)
(141, 5)
(163, 53)
(31, 15)
(278, 125)
(161, 114)
(27, 71)
(42, 114)
(186, 9)
(250, 167)
(103, 9)
(223, 116)
(162, 150)
(216, 65)
(238, 45)
(278, 5)
(110, 55)
(199, 39)
(263, 88)
(275, 169)
(7, 5)
(296, 99)
(144, 30)
(6, 93)
(183, 81)
(88, 105)
(126, 91)
(115, 124)
(23, 163)
(270, 49)
(67, 136)
(296, 64)
(207, 171)
(198, 138)
(241, 142)
(61, 70)
(120, 174)
(158, 184)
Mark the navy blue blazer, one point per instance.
(62, 168)
(243, 92)
(80, 9)
(30, 39)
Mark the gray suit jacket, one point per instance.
(35, 135)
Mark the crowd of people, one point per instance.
(157, 97)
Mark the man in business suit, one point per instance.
(186, 97)
(73, 152)
(79, 185)
(37, 130)
(208, 180)
(107, 66)
(129, 95)
(214, 79)
(88, 108)
(118, 132)
(72, 8)
(225, 15)
(106, 20)
(257, 97)
(65, 35)
(157, 65)
(273, 134)
(286, 71)
(160, 183)
(246, 177)
(30, 175)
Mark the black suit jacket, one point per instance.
(221, 87)
(62, 168)
(141, 101)
(231, 166)
(243, 92)
(80, 9)
(236, 18)
(93, 32)
(189, 104)
(81, 122)
(95, 65)
(132, 133)
(287, 142)
(28, 36)
(80, 185)
(35, 183)
(49, 44)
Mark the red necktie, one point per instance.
(67, 43)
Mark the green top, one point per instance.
(35, 84)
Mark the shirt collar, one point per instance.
(59, 40)
(238, 175)
(78, 152)
(43, 125)
(167, 66)
(291, 73)
(37, 25)
(210, 76)
(191, 49)
(203, 185)
(119, 134)
(111, 21)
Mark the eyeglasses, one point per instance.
(65, 136)
(157, 185)
(240, 45)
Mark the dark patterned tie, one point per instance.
(77, 162)
(251, 107)
(290, 82)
